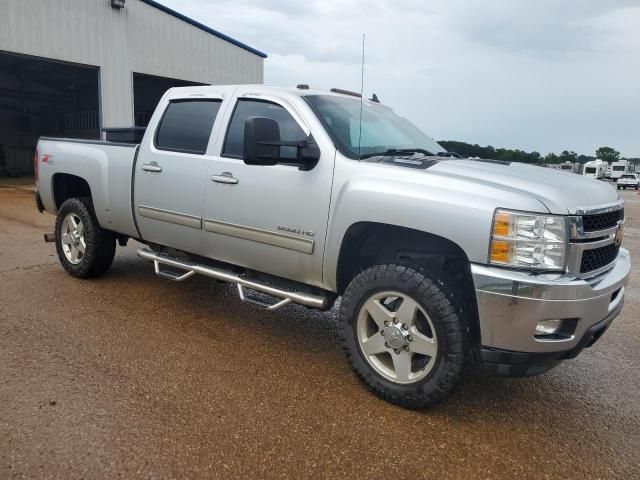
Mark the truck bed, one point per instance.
(107, 168)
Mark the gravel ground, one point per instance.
(130, 376)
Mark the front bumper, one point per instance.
(511, 303)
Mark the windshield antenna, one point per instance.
(361, 96)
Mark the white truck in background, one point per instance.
(628, 180)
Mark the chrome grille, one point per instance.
(602, 221)
(593, 247)
(598, 258)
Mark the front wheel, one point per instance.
(403, 335)
(84, 248)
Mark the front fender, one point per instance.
(456, 210)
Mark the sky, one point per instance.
(542, 75)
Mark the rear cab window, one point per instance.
(186, 125)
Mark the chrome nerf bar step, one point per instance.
(259, 303)
(191, 268)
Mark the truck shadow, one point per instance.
(203, 297)
(207, 308)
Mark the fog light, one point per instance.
(548, 327)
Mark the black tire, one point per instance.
(100, 244)
(433, 296)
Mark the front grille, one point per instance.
(598, 257)
(602, 221)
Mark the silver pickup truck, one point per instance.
(305, 196)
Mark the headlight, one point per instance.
(528, 240)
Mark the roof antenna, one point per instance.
(361, 96)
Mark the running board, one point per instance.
(190, 268)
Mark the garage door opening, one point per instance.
(40, 97)
(147, 92)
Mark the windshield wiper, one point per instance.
(450, 154)
(397, 151)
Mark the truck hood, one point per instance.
(559, 191)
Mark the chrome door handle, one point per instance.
(151, 167)
(224, 177)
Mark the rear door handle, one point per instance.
(151, 167)
(224, 177)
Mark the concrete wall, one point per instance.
(138, 38)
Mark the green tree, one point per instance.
(607, 154)
(552, 158)
(514, 155)
(566, 156)
(535, 157)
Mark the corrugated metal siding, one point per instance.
(138, 38)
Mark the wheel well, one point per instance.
(367, 244)
(67, 186)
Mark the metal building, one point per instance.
(69, 68)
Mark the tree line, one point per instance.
(515, 155)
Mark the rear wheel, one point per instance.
(83, 247)
(403, 335)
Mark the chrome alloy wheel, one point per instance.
(397, 337)
(73, 238)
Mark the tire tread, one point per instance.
(424, 288)
(101, 244)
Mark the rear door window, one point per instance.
(186, 125)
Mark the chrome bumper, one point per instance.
(511, 303)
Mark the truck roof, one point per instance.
(258, 88)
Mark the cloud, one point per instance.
(543, 75)
(544, 26)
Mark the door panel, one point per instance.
(169, 203)
(170, 177)
(272, 218)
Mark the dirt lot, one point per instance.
(130, 376)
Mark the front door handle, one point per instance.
(151, 167)
(224, 177)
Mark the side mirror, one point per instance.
(261, 141)
(262, 145)
(308, 153)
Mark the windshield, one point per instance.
(382, 129)
(590, 170)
